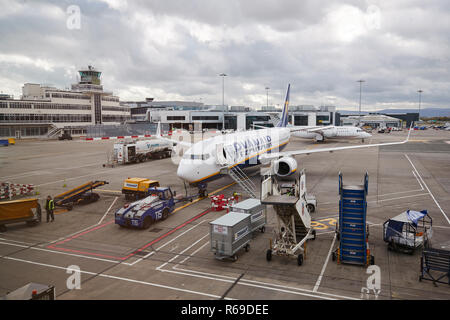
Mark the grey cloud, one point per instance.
(275, 42)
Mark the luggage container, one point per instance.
(408, 231)
(229, 234)
(256, 210)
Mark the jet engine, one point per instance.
(285, 166)
(331, 132)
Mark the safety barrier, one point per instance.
(9, 190)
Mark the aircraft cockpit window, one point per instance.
(198, 156)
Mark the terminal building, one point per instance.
(376, 120)
(43, 110)
(190, 115)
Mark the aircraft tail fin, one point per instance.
(285, 113)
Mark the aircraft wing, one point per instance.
(270, 156)
(159, 136)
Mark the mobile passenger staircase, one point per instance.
(293, 220)
(352, 229)
(235, 172)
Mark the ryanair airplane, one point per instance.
(204, 160)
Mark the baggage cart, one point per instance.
(229, 234)
(408, 231)
(256, 210)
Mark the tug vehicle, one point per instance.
(143, 213)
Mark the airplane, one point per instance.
(203, 160)
(319, 133)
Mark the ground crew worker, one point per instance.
(236, 196)
(49, 207)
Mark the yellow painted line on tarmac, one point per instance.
(198, 199)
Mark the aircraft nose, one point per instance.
(183, 172)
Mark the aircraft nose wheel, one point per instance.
(300, 259)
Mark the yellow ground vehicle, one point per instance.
(137, 188)
(25, 210)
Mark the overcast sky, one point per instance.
(176, 49)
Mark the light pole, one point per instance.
(223, 75)
(267, 89)
(420, 98)
(360, 89)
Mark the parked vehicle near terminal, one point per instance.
(138, 188)
(143, 213)
(140, 151)
(65, 136)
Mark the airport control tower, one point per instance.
(90, 84)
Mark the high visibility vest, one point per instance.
(51, 205)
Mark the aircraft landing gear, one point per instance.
(202, 192)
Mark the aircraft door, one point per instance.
(221, 156)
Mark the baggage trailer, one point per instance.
(15, 211)
(79, 195)
(256, 210)
(352, 230)
(408, 231)
(229, 234)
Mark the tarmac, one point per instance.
(172, 259)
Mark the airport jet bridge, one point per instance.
(293, 220)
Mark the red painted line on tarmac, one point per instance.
(85, 253)
(168, 233)
(84, 232)
(54, 246)
(120, 137)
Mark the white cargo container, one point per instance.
(229, 234)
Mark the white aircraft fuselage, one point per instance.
(335, 132)
(204, 159)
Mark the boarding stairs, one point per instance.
(241, 179)
(352, 229)
(294, 222)
(53, 132)
(233, 170)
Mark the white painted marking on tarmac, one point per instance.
(217, 277)
(319, 280)
(415, 175)
(59, 252)
(165, 244)
(193, 254)
(432, 196)
(28, 243)
(119, 278)
(193, 244)
(115, 199)
(411, 196)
